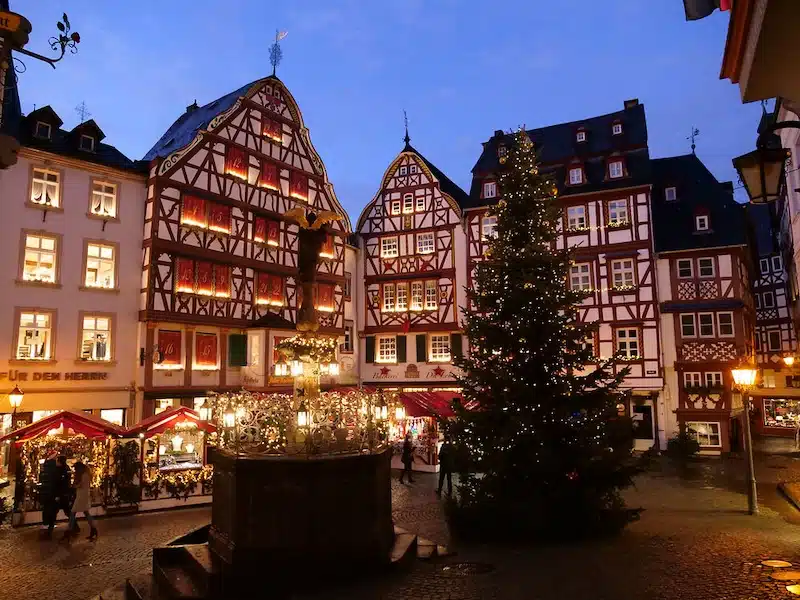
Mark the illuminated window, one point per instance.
(618, 212)
(628, 342)
(490, 189)
(408, 203)
(431, 293)
(576, 176)
(402, 297)
(688, 328)
(420, 203)
(113, 415)
(622, 272)
(685, 268)
(576, 217)
(86, 143)
(104, 199)
(388, 297)
(100, 265)
(45, 188)
(488, 227)
(34, 336)
(440, 348)
(40, 258)
(615, 170)
(389, 247)
(416, 295)
(705, 267)
(387, 349)
(616, 129)
(706, 434)
(425, 243)
(580, 277)
(725, 324)
(96, 338)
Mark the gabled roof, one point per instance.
(79, 422)
(45, 114)
(89, 128)
(445, 183)
(697, 191)
(195, 119)
(170, 419)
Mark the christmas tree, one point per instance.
(549, 447)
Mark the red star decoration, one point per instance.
(384, 370)
(438, 371)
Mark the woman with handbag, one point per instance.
(82, 503)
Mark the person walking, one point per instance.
(48, 495)
(82, 503)
(407, 458)
(63, 488)
(446, 465)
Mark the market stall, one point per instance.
(75, 435)
(174, 454)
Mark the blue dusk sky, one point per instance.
(461, 68)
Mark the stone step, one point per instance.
(404, 549)
(175, 582)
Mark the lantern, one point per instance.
(15, 397)
(281, 369)
(400, 413)
(762, 171)
(229, 419)
(744, 376)
(297, 368)
(788, 360)
(302, 415)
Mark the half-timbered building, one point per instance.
(601, 168)
(219, 261)
(411, 276)
(707, 312)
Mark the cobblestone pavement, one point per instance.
(694, 541)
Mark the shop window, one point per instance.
(113, 415)
(685, 268)
(104, 199)
(100, 265)
(387, 349)
(35, 336)
(439, 350)
(488, 227)
(389, 247)
(628, 342)
(688, 328)
(431, 295)
(580, 277)
(705, 267)
(706, 324)
(622, 274)
(416, 295)
(576, 217)
(780, 413)
(706, 434)
(96, 338)
(425, 243)
(46, 187)
(618, 212)
(40, 258)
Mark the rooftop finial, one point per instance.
(83, 112)
(275, 52)
(406, 139)
(693, 136)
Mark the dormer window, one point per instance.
(43, 130)
(490, 189)
(616, 129)
(580, 136)
(671, 194)
(576, 176)
(615, 170)
(701, 223)
(86, 143)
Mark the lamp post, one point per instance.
(15, 399)
(745, 377)
(788, 360)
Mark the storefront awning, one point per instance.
(69, 422)
(177, 417)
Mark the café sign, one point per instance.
(15, 28)
(17, 375)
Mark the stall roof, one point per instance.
(79, 422)
(169, 419)
(422, 404)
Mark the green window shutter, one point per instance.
(401, 348)
(422, 347)
(370, 348)
(237, 350)
(455, 344)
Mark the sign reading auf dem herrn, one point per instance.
(17, 375)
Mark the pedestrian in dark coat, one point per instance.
(446, 460)
(407, 458)
(48, 492)
(64, 489)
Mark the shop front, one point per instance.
(776, 423)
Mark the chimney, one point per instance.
(631, 103)
(727, 186)
(498, 133)
(191, 108)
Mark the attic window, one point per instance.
(403, 170)
(671, 194)
(580, 136)
(412, 169)
(615, 169)
(86, 143)
(43, 130)
(701, 223)
(576, 176)
(616, 129)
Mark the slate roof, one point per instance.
(557, 146)
(763, 224)
(697, 190)
(445, 183)
(185, 128)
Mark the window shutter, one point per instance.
(422, 347)
(401, 348)
(237, 350)
(370, 348)
(455, 345)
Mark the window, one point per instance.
(402, 297)
(701, 222)
(431, 291)
(45, 187)
(622, 273)
(764, 265)
(40, 258)
(416, 295)
(34, 337)
(396, 207)
(113, 415)
(163, 404)
(43, 130)
(706, 434)
(347, 345)
(104, 199)
(96, 338)
(388, 297)
(685, 268)
(725, 324)
(412, 169)
(628, 342)
(777, 263)
(688, 326)
(348, 286)
(769, 300)
(389, 247)
(580, 136)
(99, 265)
(714, 379)
(502, 152)
(420, 203)
(87, 143)
(576, 217)
(439, 348)
(488, 227)
(618, 212)
(691, 380)
(705, 267)
(387, 350)
(616, 129)
(576, 176)
(490, 189)
(408, 203)
(580, 277)
(706, 323)
(425, 243)
(671, 194)
(403, 170)
(615, 170)
(38, 415)
(774, 340)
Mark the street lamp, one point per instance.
(762, 170)
(788, 360)
(15, 399)
(744, 377)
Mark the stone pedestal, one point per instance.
(300, 516)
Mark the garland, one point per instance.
(309, 348)
(178, 485)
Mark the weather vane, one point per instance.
(275, 52)
(406, 139)
(83, 112)
(693, 136)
